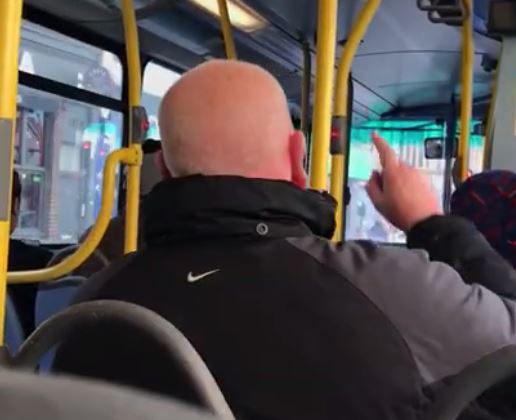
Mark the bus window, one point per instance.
(61, 146)
(156, 81)
(476, 148)
(476, 153)
(61, 143)
(49, 54)
(407, 139)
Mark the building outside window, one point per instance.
(61, 144)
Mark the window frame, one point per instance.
(172, 67)
(160, 63)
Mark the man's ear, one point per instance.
(159, 160)
(297, 149)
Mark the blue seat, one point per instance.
(52, 298)
(14, 336)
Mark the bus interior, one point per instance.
(405, 80)
(74, 109)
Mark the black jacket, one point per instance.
(291, 325)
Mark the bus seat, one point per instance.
(26, 396)
(180, 357)
(95, 262)
(52, 298)
(452, 400)
(55, 296)
(14, 335)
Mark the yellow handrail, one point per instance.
(135, 87)
(340, 111)
(227, 33)
(466, 100)
(325, 62)
(127, 156)
(10, 24)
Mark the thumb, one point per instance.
(374, 189)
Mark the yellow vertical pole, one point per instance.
(227, 33)
(10, 24)
(325, 62)
(135, 85)
(340, 111)
(466, 97)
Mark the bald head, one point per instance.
(229, 118)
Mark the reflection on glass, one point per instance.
(50, 54)
(61, 149)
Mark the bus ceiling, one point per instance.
(404, 61)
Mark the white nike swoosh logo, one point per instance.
(192, 278)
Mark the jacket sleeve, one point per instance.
(446, 323)
(456, 242)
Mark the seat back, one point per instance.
(26, 396)
(14, 335)
(52, 298)
(452, 400)
(159, 335)
(55, 296)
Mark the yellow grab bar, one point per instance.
(133, 53)
(325, 63)
(135, 87)
(227, 33)
(132, 208)
(466, 100)
(340, 111)
(126, 155)
(10, 24)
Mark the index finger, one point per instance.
(387, 155)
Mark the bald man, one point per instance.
(238, 258)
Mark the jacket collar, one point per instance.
(199, 206)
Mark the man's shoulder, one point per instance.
(352, 258)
